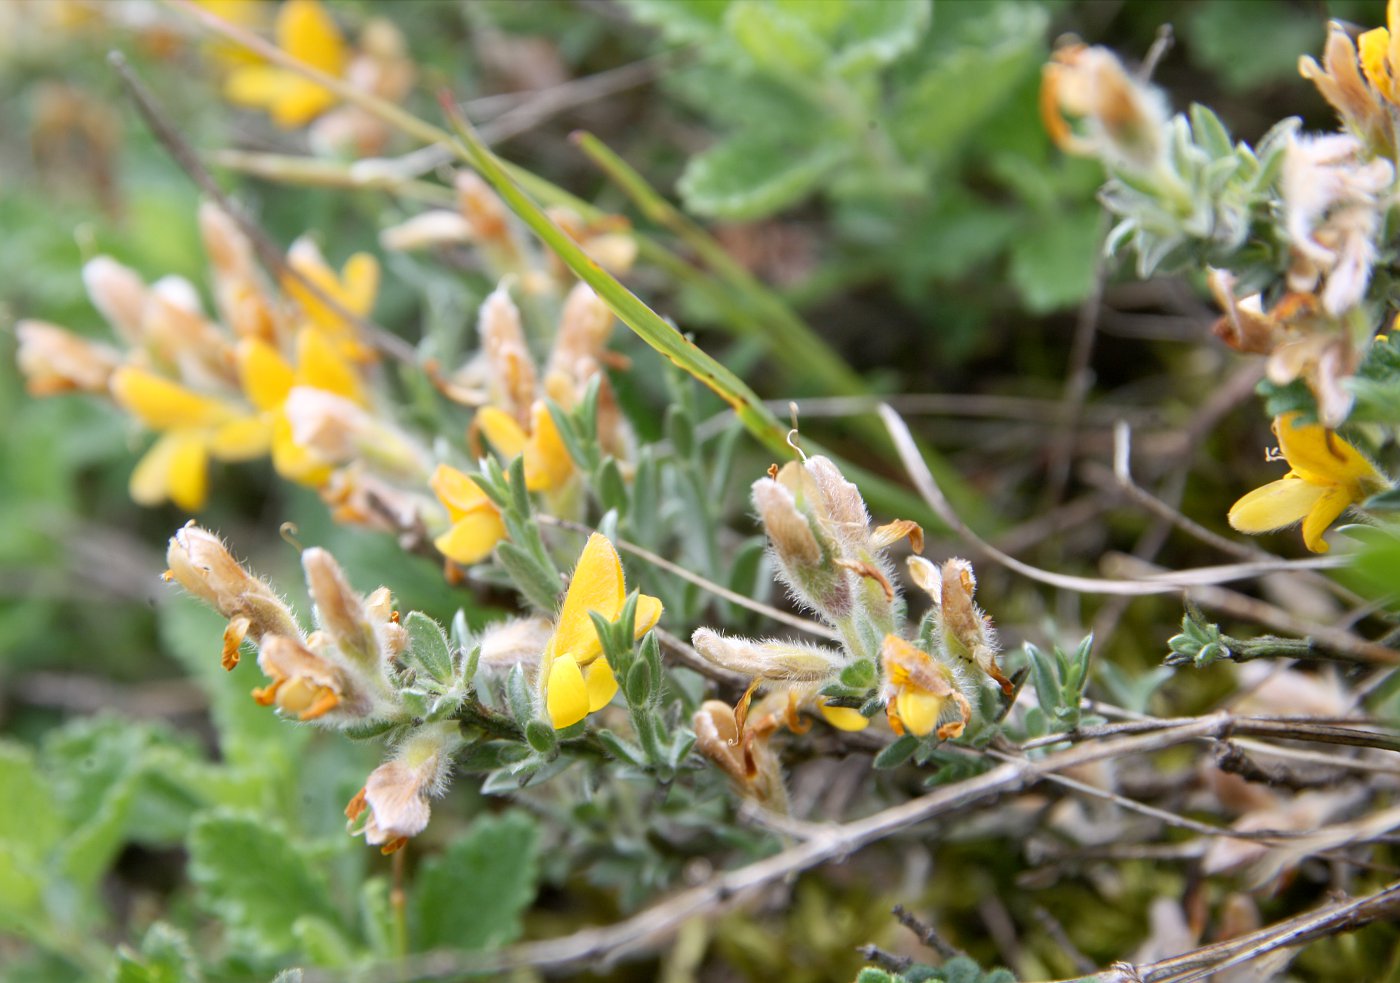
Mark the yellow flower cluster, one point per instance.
(271, 374)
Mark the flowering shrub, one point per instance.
(603, 705)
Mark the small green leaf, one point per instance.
(756, 173)
(428, 648)
(897, 753)
(472, 896)
(538, 585)
(859, 675)
(166, 956)
(542, 737)
(255, 879)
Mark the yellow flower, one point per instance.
(919, 690)
(354, 289)
(476, 522)
(304, 30)
(193, 427)
(268, 379)
(842, 718)
(1327, 476)
(578, 677)
(1380, 54)
(547, 462)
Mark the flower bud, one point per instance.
(481, 207)
(394, 802)
(1118, 118)
(55, 360)
(339, 610)
(512, 369)
(201, 564)
(962, 631)
(770, 658)
(119, 294)
(438, 227)
(584, 327)
(515, 642)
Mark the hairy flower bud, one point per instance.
(55, 360)
(119, 293)
(1118, 118)
(769, 658)
(512, 369)
(394, 801)
(201, 564)
(962, 631)
(339, 610)
(515, 642)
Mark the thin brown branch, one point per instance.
(648, 927)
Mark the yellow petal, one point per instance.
(502, 431)
(189, 472)
(306, 31)
(162, 404)
(918, 710)
(601, 683)
(648, 614)
(360, 283)
(1321, 454)
(1326, 510)
(256, 86)
(472, 537)
(1373, 47)
(293, 461)
(596, 586)
(547, 461)
(263, 373)
(844, 718)
(242, 440)
(457, 491)
(320, 366)
(150, 481)
(1275, 505)
(566, 698)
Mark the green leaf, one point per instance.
(681, 21)
(961, 90)
(30, 820)
(897, 753)
(166, 956)
(22, 880)
(755, 173)
(428, 648)
(779, 41)
(874, 34)
(537, 584)
(1053, 264)
(473, 895)
(322, 943)
(255, 879)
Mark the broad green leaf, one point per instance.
(875, 33)
(86, 853)
(30, 820)
(961, 90)
(255, 879)
(472, 896)
(1053, 263)
(778, 40)
(22, 880)
(754, 174)
(166, 956)
(681, 21)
